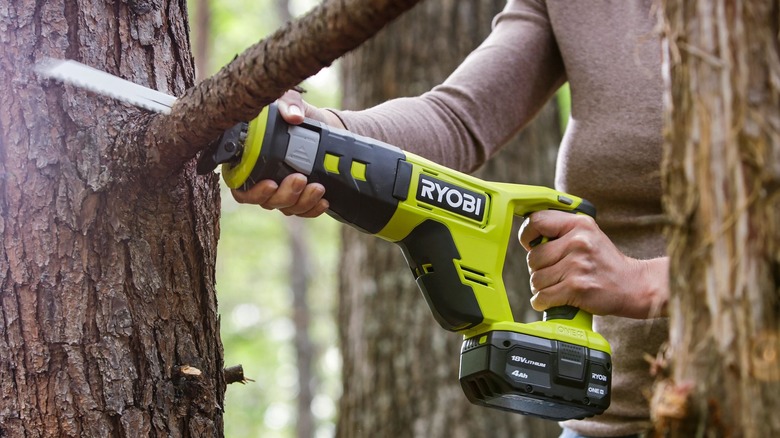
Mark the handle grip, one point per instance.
(360, 174)
(566, 312)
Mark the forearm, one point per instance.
(496, 91)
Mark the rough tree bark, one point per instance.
(108, 324)
(400, 369)
(107, 288)
(722, 186)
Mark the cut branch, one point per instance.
(263, 73)
(235, 374)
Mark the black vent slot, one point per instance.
(475, 276)
(483, 388)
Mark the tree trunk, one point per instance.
(305, 348)
(201, 45)
(722, 183)
(400, 369)
(108, 323)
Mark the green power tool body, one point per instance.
(453, 230)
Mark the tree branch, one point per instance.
(261, 74)
(235, 374)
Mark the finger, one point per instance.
(527, 233)
(287, 194)
(546, 254)
(541, 302)
(552, 224)
(291, 107)
(546, 278)
(321, 207)
(307, 200)
(553, 296)
(257, 194)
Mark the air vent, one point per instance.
(483, 388)
(475, 276)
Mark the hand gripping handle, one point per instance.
(358, 172)
(568, 312)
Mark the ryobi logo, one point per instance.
(451, 197)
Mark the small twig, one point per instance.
(235, 374)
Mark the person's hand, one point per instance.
(293, 196)
(293, 109)
(581, 267)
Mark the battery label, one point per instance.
(524, 375)
(597, 391)
(531, 359)
(529, 366)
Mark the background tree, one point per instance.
(109, 323)
(400, 369)
(722, 186)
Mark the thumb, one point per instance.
(291, 107)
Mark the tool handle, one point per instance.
(362, 176)
(561, 312)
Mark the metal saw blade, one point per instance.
(80, 75)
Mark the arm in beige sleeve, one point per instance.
(497, 89)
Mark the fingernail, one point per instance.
(295, 110)
(267, 189)
(298, 185)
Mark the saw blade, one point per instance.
(80, 75)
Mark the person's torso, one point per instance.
(611, 153)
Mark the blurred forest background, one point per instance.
(256, 261)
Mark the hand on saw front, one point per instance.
(293, 196)
(580, 266)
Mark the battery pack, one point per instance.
(535, 376)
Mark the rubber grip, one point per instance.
(359, 173)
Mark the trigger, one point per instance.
(538, 240)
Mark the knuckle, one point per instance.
(533, 281)
(286, 200)
(530, 261)
(586, 221)
(581, 242)
(537, 303)
(582, 266)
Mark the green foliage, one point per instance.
(236, 25)
(253, 270)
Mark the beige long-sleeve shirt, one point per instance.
(609, 53)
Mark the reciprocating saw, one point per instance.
(453, 230)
